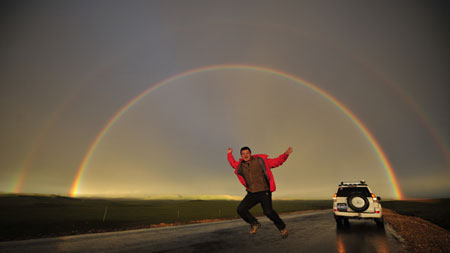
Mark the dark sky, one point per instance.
(67, 67)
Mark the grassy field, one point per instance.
(23, 216)
(436, 211)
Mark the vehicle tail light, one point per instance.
(335, 210)
(335, 197)
(377, 211)
(374, 198)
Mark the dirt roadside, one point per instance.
(420, 235)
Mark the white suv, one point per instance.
(355, 200)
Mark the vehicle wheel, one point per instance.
(380, 222)
(358, 202)
(338, 221)
(346, 222)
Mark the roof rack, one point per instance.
(362, 182)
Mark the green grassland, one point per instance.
(436, 211)
(28, 216)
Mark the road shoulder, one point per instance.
(420, 235)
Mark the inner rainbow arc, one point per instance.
(362, 127)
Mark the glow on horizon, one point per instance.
(369, 136)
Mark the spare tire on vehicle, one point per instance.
(358, 202)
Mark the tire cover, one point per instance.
(358, 198)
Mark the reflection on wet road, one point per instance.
(308, 232)
(362, 236)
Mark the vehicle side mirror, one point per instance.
(379, 198)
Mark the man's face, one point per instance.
(246, 155)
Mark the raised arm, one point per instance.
(231, 160)
(275, 162)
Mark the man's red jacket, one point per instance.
(267, 164)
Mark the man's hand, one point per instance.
(230, 150)
(289, 151)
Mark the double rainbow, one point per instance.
(368, 135)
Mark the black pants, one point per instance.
(265, 199)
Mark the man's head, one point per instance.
(246, 153)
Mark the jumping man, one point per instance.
(254, 172)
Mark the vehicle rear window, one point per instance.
(347, 191)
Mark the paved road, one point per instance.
(308, 232)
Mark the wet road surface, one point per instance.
(308, 232)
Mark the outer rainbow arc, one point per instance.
(19, 180)
(420, 113)
(374, 143)
(33, 150)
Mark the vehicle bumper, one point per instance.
(356, 215)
